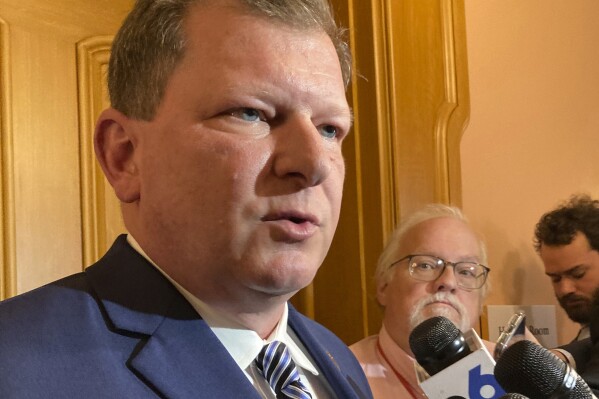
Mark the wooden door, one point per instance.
(53, 55)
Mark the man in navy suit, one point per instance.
(223, 144)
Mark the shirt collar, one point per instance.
(243, 344)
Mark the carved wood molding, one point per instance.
(385, 118)
(7, 210)
(92, 61)
(448, 106)
(454, 111)
(429, 99)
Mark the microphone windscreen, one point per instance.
(513, 396)
(437, 343)
(532, 370)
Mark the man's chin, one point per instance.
(578, 315)
(282, 287)
(448, 312)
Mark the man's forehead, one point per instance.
(572, 253)
(562, 263)
(440, 233)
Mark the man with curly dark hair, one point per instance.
(567, 239)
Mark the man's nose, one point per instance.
(564, 286)
(446, 281)
(302, 153)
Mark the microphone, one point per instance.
(437, 343)
(513, 396)
(452, 364)
(532, 370)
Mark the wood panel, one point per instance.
(430, 102)
(44, 106)
(41, 192)
(7, 254)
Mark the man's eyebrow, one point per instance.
(569, 271)
(469, 259)
(575, 268)
(351, 119)
(343, 111)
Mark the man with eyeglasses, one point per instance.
(433, 265)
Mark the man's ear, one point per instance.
(115, 144)
(381, 292)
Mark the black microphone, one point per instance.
(513, 396)
(437, 343)
(458, 365)
(532, 370)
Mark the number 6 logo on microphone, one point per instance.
(483, 386)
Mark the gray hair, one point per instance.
(151, 42)
(384, 269)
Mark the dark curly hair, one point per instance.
(558, 227)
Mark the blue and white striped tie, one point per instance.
(276, 365)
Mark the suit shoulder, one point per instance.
(75, 281)
(43, 303)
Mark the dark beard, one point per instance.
(579, 312)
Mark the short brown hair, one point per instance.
(151, 42)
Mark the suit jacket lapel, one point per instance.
(342, 384)
(178, 356)
(184, 359)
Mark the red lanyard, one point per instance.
(415, 394)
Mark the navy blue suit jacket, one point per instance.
(121, 330)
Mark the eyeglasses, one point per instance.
(468, 275)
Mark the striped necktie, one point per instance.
(276, 365)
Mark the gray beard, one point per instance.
(419, 314)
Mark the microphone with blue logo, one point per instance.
(452, 364)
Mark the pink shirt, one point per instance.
(382, 369)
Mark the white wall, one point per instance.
(533, 136)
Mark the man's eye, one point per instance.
(248, 114)
(328, 131)
(468, 272)
(578, 275)
(555, 279)
(426, 266)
